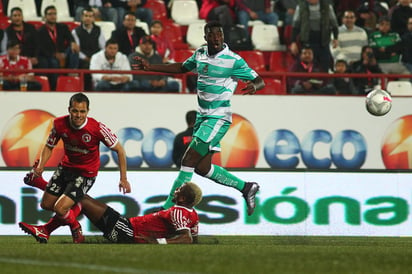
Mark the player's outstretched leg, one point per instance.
(249, 190)
(38, 232)
(42, 232)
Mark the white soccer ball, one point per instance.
(378, 102)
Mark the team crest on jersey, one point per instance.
(205, 69)
(86, 138)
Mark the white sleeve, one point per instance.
(96, 64)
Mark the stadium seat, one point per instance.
(4, 22)
(254, 58)
(143, 25)
(185, 12)
(28, 7)
(71, 24)
(287, 34)
(289, 59)
(107, 28)
(182, 54)
(240, 86)
(62, 7)
(272, 86)
(68, 83)
(2, 11)
(399, 88)
(159, 9)
(36, 24)
(195, 37)
(277, 62)
(44, 81)
(266, 38)
(174, 33)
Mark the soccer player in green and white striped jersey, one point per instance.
(219, 70)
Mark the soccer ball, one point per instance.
(378, 102)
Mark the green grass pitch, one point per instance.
(214, 254)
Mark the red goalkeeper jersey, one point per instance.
(165, 223)
(81, 145)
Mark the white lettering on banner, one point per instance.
(281, 132)
(289, 203)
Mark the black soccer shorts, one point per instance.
(71, 184)
(115, 228)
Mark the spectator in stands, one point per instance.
(13, 60)
(222, 11)
(342, 6)
(160, 83)
(57, 48)
(286, 10)
(25, 33)
(111, 59)
(343, 85)
(183, 139)
(367, 18)
(387, 47)
(255, 10)
(163, 45)
(103, 10)
(400, 15)
(128, 35)
(366, 65)
(351, 39)
(90, 39)
(134, 6)
(406, 47)
(309, 27)
(308, 85)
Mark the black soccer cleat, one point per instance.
(249, 193)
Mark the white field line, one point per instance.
(94, 267)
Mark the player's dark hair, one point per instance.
(79, 98)
(212, 24)
(15, 9)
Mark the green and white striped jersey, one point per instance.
(217, 80)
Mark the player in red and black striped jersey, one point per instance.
(78, 169)
(176, 225)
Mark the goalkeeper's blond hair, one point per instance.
(197, 193)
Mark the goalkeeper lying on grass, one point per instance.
(176, 225)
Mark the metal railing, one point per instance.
(282, 76)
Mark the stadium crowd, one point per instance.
(106, 34)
